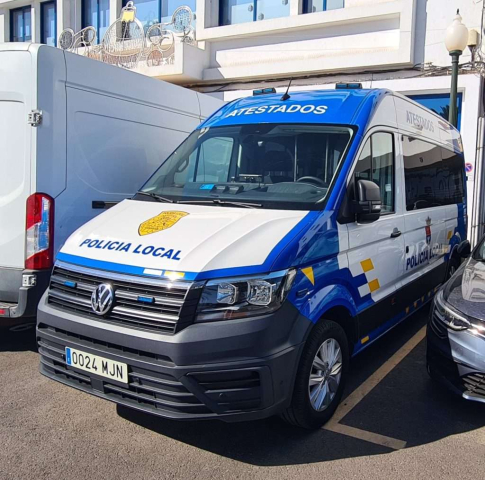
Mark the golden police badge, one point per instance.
(161, 222)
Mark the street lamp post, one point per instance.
(456, 41)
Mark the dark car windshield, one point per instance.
(262, 165)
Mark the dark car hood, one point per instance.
(466, 289)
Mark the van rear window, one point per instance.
(434, 176)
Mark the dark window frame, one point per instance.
(27, 8)
(84, 22)
(255, 14)
(369, 139)
(43, 6)
(306, 7)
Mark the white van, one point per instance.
(76, 136)
(284, 236)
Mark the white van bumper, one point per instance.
(20, 292)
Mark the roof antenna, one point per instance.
(286, 96)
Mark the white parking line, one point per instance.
(360, 393)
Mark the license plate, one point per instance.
(98, 365)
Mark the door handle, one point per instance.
(396, 233)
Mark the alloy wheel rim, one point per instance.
(325, 374)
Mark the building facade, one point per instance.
(245, 44)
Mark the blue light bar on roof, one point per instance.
(348, 86)
(263, 91)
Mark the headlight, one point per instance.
(244, 296)
(449, 316)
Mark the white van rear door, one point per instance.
(16, 90)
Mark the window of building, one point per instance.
(48, 23)
(95, 13)
(439, 103)
(376, 163)
(21, 24)
(311, 6)
(244, 11)
(433, 175)
(150, 12)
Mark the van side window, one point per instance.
(453, 178)
(376, 163)
(433, 175)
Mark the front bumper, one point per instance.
(18, 304)
(232, 370)
(456, 359)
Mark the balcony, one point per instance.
(365, 35)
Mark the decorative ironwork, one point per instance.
(85, 38)
(182, 20)
(126, 43)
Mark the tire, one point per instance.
(301, 412)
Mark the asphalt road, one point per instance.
(51, 431)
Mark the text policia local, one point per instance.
(140, 249)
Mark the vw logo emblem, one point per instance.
(102, 299)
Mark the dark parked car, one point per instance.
(456, 328)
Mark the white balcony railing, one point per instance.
(126, 43)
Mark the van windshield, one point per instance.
(261, 165)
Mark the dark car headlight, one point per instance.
(242, 297)
(448, 315)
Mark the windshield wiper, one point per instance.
(156, 197)
(218, 201)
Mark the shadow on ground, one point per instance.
(406, 405)
(18, 339)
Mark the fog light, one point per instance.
(29, 280)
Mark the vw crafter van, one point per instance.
(284, 236)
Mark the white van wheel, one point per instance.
(325, 374)
(320, 378)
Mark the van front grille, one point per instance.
(147, 304)
(148, 388)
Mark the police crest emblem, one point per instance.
(161, 222)
(428, 230)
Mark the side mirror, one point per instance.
(367, 206)
(464, 249)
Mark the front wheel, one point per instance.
(321, 377)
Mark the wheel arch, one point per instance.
(341, 315)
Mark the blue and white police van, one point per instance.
(283, 237)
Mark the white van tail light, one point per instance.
(40, 232)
